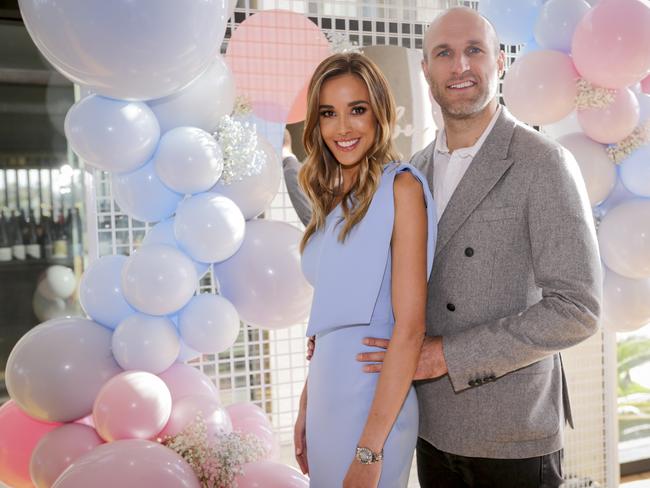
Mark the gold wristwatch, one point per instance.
(367, 456)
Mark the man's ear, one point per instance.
(501, 63)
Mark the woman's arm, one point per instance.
(300, 433)
(409, 284)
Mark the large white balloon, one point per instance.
(142, 195)
(209, 227)
(626, 302)
(254, 193)
(158, 280)
(188, 160)
(598, 171)
(264, 280)
(113, 135)
(201, 103)
(125, 49)
(209, 324)
(100, 291)
(146, 343)
(624, 238)
(58, 282)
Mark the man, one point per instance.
(516, 277)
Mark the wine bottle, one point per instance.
(5, 243)
(46, 240)
(18, 243)
(33, 248)
(61, 240)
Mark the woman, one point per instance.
(367, 251)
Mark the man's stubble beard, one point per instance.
(465, 109)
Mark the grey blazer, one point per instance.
(516, 278)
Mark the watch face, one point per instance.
(365, 456)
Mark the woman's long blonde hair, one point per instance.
(320, 175)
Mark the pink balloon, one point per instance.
(611, 44)
(267, 474)
(132, 405)
(540, 87)
(612, 123)
(265, 68)
(186, 409)
(19, 435)
(298, 111)
(183, 380)
(248, 418)
(58, 449)
(645, 85)
(129, 464)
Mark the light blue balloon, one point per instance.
(530, 46)
(644, 107)
(209, 227)
(134, 50)
(635, 171)
(113, 135)
(163, 233)
(143, 196)
(55, 371)
(186, 353)
(513, 20)
(188, 160)
(557, 21)
(100, 291)
(146, 343)
(209, 323)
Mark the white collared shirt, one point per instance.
(449, 168)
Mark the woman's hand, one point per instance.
(362, 475)
(300, 433)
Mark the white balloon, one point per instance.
(254, 193)
(624, 238)
(58, 282)
(209, 324)
(146, 343)
(568, 125)
(598, 171)
(188, 160)
(158, 280)
(209, 227)
(626, 302)
(113, 135)
(125, 49)
(264, 280)
(46, 309)
(201, 103)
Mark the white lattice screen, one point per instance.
(269, 368)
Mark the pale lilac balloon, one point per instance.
(113, 135)
(55, 371)
(158, 279)
(163, 233)
(186, 409)
(142, 195)
(201, 103)
(100, 291)
(614, 122)
(635, 171)
(268, 474)
(568, 125)
(540, 87)
(186, 353)
(254, 193)
(132, 405)
(598, 171)
(618, 195)
(209, 227)
(264, 280)
(611, 44)
(209, 323)
(624, 238)
(188, 160)
(133, 463)
(557, 22)
(146, 343)
(625, 302)
(183, 380)
(58, 449)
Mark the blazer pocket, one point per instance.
(492, 214)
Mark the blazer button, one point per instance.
(451, 307)
(478, 382)
(471, 383)
(469, 252)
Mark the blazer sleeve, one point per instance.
(291, 166)
(566, 267)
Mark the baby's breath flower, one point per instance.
(590, 96)
(621, 150)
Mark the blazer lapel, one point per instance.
(487, 167)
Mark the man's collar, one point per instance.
(466, 152)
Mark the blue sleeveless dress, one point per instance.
(352, 300)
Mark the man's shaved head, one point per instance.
(456, 14)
